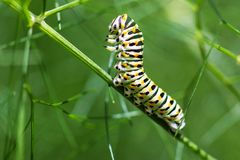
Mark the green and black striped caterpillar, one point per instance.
(126, 40)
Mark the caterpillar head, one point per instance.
(117, 24)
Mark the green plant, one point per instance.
(39, 22)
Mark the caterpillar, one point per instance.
(126, 41)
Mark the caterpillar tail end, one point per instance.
(176, 127)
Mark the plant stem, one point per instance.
(32, 109)
(221, 49)
(220, 17)
(26, 53)
(14, 4)
(106, 120)
(75, 51)
(226, 81)
(194, 147)
(216, 72)
(20, 153)
(63, 7)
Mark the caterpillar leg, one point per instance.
(112, 48)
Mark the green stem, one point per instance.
(226, 81)
(14, 4)
(220, 17)
(221, 49)
(231, 27)
(21, 40)
(63, 7)
(32, 130)
(26, 52)
(20, 153)
(194, 147)
(198, 25)
(216, 72)
(75, 51)
(200, 37)
(56, 104)
(106, 120)
(197, 81)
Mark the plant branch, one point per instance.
(223, 79)
(216, 72)
(15, 5)
(75, 51)
(64, 7)
(222, 20)
(221, 49)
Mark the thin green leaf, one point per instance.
(179, 151)
(20, 149)
(125, 109)
(32, 133)
(192, 88)
(58, 16)
(64, 7)
(109, 69)
(57, 104)
(220, 17)
(66, 130)
(222, 125)
(106, 101)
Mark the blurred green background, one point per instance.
(172, 59)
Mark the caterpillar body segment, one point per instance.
(124, 66)
(124, 78)
(145, 93)
(130, 56)
(126, 40)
